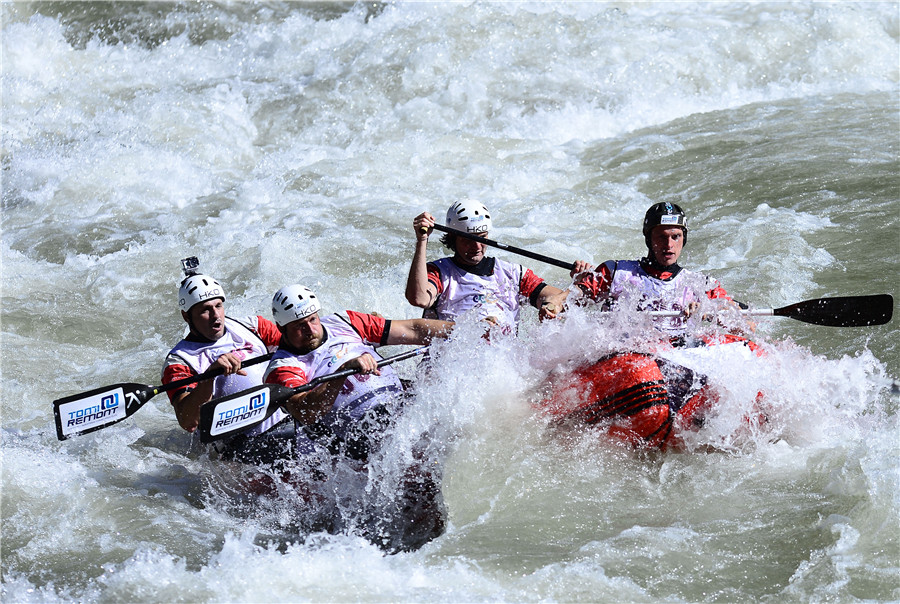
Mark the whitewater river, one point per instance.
(284, 142)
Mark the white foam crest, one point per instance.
(455, 78)
(314, 570)
(33, 51)
(825, 408)
(60, 502)
(775, 242)
(482, 375)
(690, 77)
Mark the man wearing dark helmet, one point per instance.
(657, 281)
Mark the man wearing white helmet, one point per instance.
(348, 418)
(216, 341)
(470, 281)
(358, 407)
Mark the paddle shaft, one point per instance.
(315, 382)
(515, 250)
(234, 414)
(209, 373)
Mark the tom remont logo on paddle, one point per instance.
(243, 410)
(107, 409)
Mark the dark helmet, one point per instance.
(667, 214)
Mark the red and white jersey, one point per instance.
(245, 338)
(498, 293)
(649, 289)
(346, 337)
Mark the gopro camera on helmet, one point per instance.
(190, 266)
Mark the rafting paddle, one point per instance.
(227, 416)
(847, 311)
(102, 407)
(515, 250)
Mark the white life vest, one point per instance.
(630, 282)
(495, 295)
(360, 392)
(241, 341)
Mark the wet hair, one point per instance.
(449, 241)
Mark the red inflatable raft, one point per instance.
(642, 399)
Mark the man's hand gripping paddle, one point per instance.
(227, 416)
(102, 407)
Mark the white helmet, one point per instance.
(294, 302)
(198, 288)
(469, 216)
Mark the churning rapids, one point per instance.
(295, 142)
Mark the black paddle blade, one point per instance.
(96, 409)
(850, 311)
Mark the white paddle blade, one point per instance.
(90, 412)
(238, 412)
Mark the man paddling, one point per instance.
(215, 340)
(360, 406)
(359, 409)
(657, 281)
(469, 281)
(645, 399)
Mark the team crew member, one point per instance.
(358, 408)
(469, 281)
(648, 401)
(217, 341)
(657, 280)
